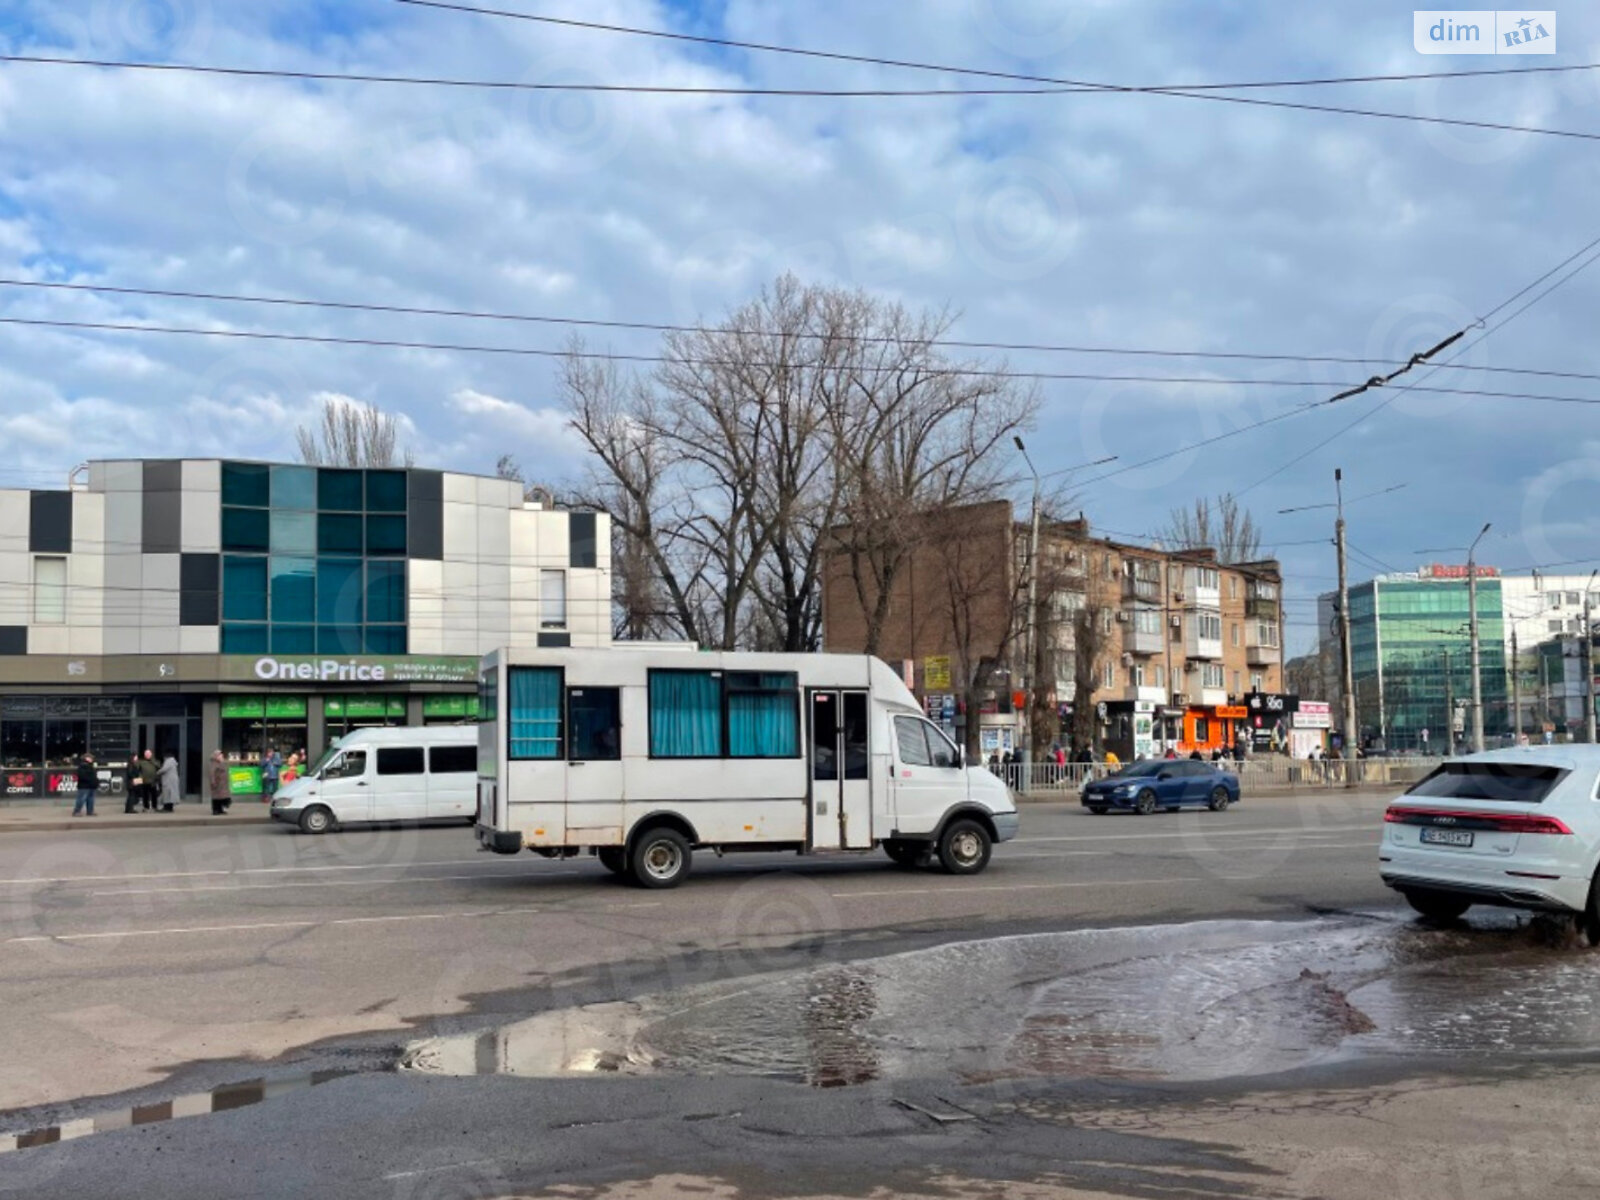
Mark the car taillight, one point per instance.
(1493, 822)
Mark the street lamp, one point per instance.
(1588, 660)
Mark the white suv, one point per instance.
(1517, 828)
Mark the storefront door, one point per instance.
(162, 737)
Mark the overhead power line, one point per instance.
(735, 331)
(611, 356)
(1214, 92)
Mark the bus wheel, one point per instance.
(660, 858)
(964, 848)
(613, 859)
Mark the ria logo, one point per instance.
(1483, 31)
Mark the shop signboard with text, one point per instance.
(360, 670)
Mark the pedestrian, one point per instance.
(1084, 754)
(1216, 755)
(291, 770)
(1238, 750)
(221, 792)
(1195, 755)
(1171, 753)
(1060, 755)
(167, 779)
(88, 784)
(131, 782)
(149, 787)
(271, 766)
(1111, 758)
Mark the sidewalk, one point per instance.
(49, 816)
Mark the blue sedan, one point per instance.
(1169, 783)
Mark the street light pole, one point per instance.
(1472, 606)
(1588, 661)
(1030, 690)
(1346, 667)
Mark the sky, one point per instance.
(1111, 220)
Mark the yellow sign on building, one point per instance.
(936, 673)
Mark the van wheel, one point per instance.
(613, 859)
(316, 819)
(1145, 804)
(660, 858)
(964, 847)
(1441, 906)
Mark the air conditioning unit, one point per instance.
(1181, 699)
(1122, 615)
(1177, 597)
(1127, 659)
(1177, 622)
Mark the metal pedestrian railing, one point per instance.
(1277, 771)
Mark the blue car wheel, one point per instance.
(1146, 802)
(1220, 799)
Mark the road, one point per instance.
(140, 966)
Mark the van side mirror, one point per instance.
(958, 761)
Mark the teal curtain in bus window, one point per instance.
(685, 714)
(534, 714)
(765, 723)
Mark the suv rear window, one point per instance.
(1507, 783)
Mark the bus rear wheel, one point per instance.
(660, 858)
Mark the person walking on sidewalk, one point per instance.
(130, 797)
(88, 785)
(168, 782)
(221, 792)
(149, 785)
(271, 766)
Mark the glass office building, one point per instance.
(1411, 657)
(192, 605)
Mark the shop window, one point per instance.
(338, 534)
(450, 709)
(763, 715)
(534, 717)
(293, 532)
(22, 743)
(245, 529)
(244, 639)
(339, 591)
(49, 590)
(386, 535)
(253, 725)
(245, 484)
(338, 639)
(338, 490)
(383, 639)
(294, 591)
(386, 491)
(294, 639)
(294, 487)
(244, 589)
(1202, 730)
(594, 716)
(65, 742)
(552, 599)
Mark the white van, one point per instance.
(644, 756)
(386, 775)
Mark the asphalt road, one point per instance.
(149, 963)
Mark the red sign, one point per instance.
(21, 783)
(64, 785)
(1450, 571)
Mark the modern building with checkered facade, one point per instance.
(197, 604)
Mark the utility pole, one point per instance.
(1588, 660)
(1477, 677)
(1544, 696)
(1516, 691)
(1347, 672)
(1030, 693)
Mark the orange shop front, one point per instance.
(1211, 727)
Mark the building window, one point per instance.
(1136, 674)
(534, 716)
(1208, 626)
(1555, 626)
(49, 590)
(1233, 628)
(553, 599)
(1233, 587)
(1105, 620)
(1236, 683)
(1266, 634)
(1255, 683)
(1211, 675)
(1161, 676)
(1205, 578)
(1574, 598)
(1108, 675)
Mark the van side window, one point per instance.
(352, 764)
(913, 742)
(594, 716)
(943, 753)
(399, 760)
(453, 760)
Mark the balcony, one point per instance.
(1134, 588)
(1264, 608)
(1261, 646)
(1262, 656)
(1143, 641)
(1197, 647)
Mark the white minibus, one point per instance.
(409, 774)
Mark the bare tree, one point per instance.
(507, 467)
(352, 434)
(1224, 526)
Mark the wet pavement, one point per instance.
(1213, 1000)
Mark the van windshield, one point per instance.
(327, 754)
(1507, 783)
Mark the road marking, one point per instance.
(477, 1162)
(486, 861)
(1292, 831)
(1004, 856)
(289, 884)
(462, 916)
(958, 890)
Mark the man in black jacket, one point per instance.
(88, 785)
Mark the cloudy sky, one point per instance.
(1108, 220)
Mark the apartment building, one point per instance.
(1183, 652)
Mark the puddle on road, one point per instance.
(1210, 1000)
(199, 1104)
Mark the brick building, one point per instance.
(1181, 651)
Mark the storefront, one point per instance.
(54, 708)
(1128, 728)
(1271, 718)
(1210, 728)
(1309, 730)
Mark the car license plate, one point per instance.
(1447, 837)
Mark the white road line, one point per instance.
(485, 861)
(1289, 831)
(290, 885)
(958, 890)
(1003, 856)
(398, 917)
